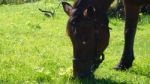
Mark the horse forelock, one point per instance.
(80, 6)
(80, 3)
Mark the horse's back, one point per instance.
(139, 2)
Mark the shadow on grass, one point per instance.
(98, 81)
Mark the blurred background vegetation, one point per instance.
(26, 1)
(16, 1)
(116, 9)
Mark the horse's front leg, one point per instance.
(131, 11)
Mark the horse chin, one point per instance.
(82, 68)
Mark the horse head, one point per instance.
(89, 38)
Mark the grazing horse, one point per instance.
(88, 30)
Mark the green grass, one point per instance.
(36, 49)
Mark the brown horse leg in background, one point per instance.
(131, 11)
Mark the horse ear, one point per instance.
(67, 8)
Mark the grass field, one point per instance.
(36, 49)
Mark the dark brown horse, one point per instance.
(89, 32)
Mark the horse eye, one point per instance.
(73, 23)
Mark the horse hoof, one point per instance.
(125, 63)
(122, 67)
(118, 68)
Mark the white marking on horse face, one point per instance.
(83, 42)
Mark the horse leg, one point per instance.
(131, 11)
